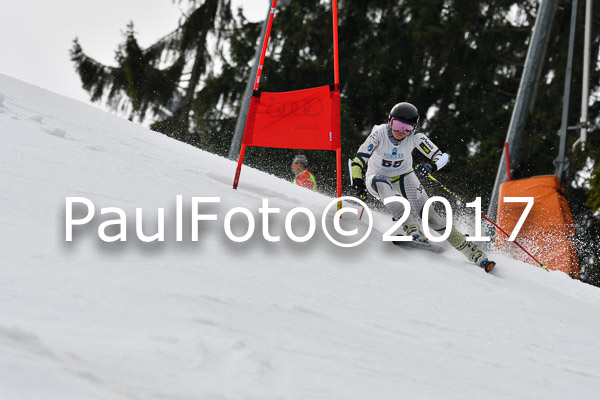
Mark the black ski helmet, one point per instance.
(406, 113)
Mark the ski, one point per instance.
(421, 246)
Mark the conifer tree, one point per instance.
(164, 77)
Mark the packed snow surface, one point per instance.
(217, 319)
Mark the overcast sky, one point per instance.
(37, 35)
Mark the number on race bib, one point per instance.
(389, 163)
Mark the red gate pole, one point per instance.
(507, 158)
(336, 62)
(261, 62)
(336, 76)
(265, 43)
(238, 170)
(338, 154)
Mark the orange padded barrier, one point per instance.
(548, 230)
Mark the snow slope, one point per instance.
(215, 319)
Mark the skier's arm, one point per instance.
(359, 163)
(431, 151)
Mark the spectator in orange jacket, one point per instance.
(304, 176)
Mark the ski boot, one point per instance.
(414, 231)
(487, 265)
(475, 255)
(411, 228)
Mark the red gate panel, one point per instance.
(300, 119)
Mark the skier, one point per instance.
(303, 175)
(387, 157)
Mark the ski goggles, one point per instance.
(402, 127)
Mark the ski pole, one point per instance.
(489, 220)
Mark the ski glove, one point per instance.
(361, 189)
(424, 169)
